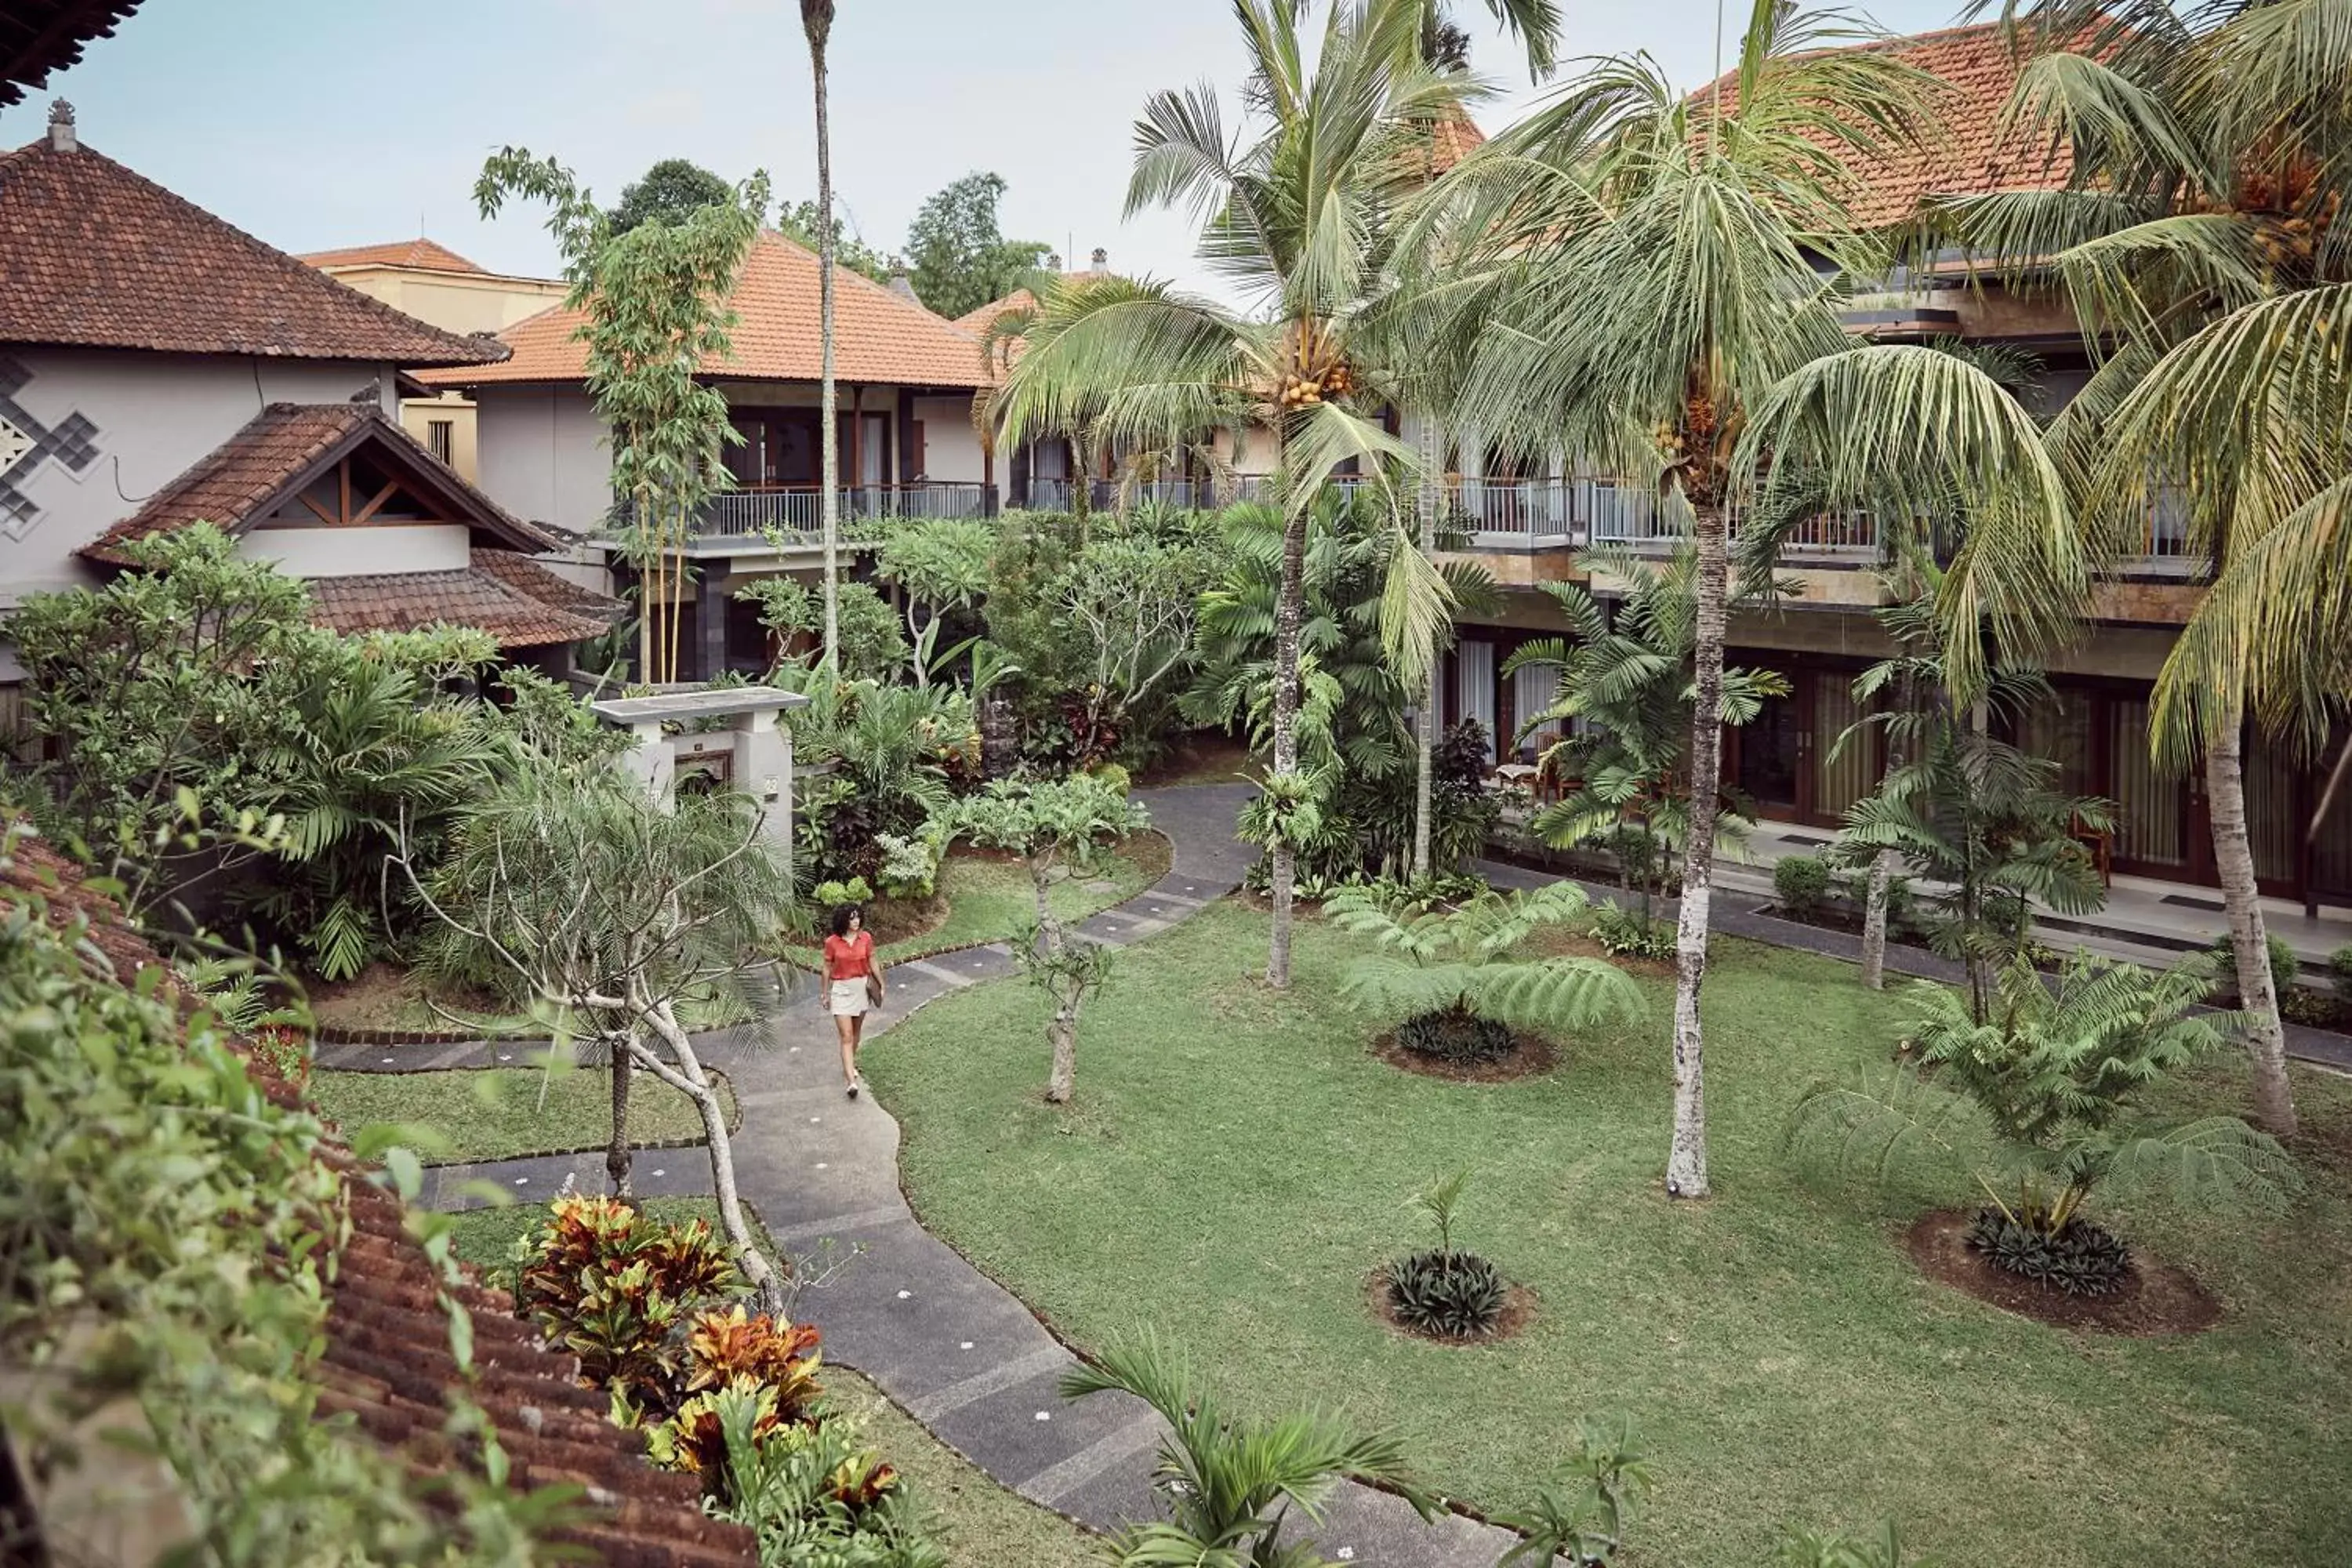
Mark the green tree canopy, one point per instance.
(961, 259)
(671, 191)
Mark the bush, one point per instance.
(1625, 934)
(1113, 774)
(2078, 1258)
(2284, 966)
(833, 895)
(1446, 1294)
(615, 1287)
(1802, 885)
(1455, 1035)
(2339, 970)
(910, 865)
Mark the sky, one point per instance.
(316, 123)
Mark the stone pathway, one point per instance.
(953, 1346)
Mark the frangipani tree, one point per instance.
(1645, 268)
(613, 917)
(1059, 829)
(1295, 215)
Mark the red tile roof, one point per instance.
(977, 322)
(38, 36)
(1455, 137)
(386, 1361)
(1963, 154)
(281, 451)
(510, 596)
(423, 254)
(93, 254)
(880, 336)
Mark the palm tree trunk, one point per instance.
(1874, 921)
(618, 1163)
(1687, 1154)
(1285, 726)
(827, 397)
(1432, 453)
(2233, 858)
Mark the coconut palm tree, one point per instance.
(816, 24)
(1295, 212)
(2200, 238)
(1646, 265)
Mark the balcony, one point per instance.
(792, 513)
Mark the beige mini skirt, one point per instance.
(847, 998)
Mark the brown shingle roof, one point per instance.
(1963, 154)
(278, 452)
(423, 254)
(38, 36)
(386, 1362)
(93, 254)
(513, 598)
(880, 336)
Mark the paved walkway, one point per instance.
(953, 1346)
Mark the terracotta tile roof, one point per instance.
(1455, 139)
(977, 322)
(39, 36)
(386, 1361)
(880, 336)
(278, 453)
(496, 598)
(420, 253)
(1963, 155)
(92, 254)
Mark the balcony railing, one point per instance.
(794, 511)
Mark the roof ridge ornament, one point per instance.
(63, 137)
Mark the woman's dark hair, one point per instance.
(841, 914)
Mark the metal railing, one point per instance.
(795, 510)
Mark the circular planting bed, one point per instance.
(1518, 1311)
(2150, 1298)
(1464, 1049)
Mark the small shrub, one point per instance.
(1802, 885)
(1113, 774)
(614, 1288)
(1902, 916)
(1443, 1291)
(2339, 973)
(1455, 1035)
(1625, 934)
(2284, 966)
(2078, 1258)
(1446, 1295)
(832, 895)
(910, 865)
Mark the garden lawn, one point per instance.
(1236, 1162)
(986, 1526)
(502, 1113)
(989, 897)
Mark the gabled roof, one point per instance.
(38, 36)
(93, 254)
(978, 319)
(879, 335)
(1964, 154)
(1453, 139)
(425, 254)
(284, 449)
(385, 1359)
(510, 596)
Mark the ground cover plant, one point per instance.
(1752, 1339)
(501, 1113)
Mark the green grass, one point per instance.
(983, 1525)
(501, 1113)
(1235, 1162)
(988, 897)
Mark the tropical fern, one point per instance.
(1430, 956)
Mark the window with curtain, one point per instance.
(1533, 689)
(1843, 774)
(2150, 826)
(1473, 685)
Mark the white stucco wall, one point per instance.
(358, 552)
(950, 446)
(155, 414)
(541, 455)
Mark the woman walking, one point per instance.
(853, 984)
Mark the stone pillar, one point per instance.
(650, 762)
(763, 769)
